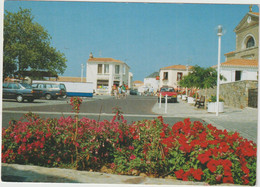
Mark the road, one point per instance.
(134, 108)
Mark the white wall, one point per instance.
(230, 74)
(172, 78)
(151, 82)
(93, 76)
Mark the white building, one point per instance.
(107, 72)
(171, 75)
(152, 81)
(239, 69)
(242, 64)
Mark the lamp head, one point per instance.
(220, 30)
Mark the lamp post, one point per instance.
(82, 69)
(187, 68)
(218, 78)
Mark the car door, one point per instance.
(10, 91)
(5, 91)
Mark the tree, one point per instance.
(27, 46)
(201, 78)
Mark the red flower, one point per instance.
(179, 174)
(131, 147)
(136, 137)
(212, 165)
(162, 134)
(132, 157)
(245, 169)
(203, 158)
(197, 174)
(224, 147)
(187, 121)
(228, 180)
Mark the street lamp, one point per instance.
(218, 78)
(82, 69)
(187, 68)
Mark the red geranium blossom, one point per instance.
(228, 180)
(212, 165)
(132, 157)
(179, 173)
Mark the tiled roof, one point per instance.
(178, 67)
(240, 62)
(255, 13)
(70, 79)
(137, 82)
(103, 60)
(232, 52)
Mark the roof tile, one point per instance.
(179, 67)
(241, 62)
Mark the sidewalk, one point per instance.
(27, 173)
(243, 121)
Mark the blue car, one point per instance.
(20, 92)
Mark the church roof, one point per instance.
(240, 63)
(242, 24)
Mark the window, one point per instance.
(48, 86)
(117, 69)
(179, 76)
(102, 84)
(238, 75)
(165, 75)
(250, 42)
(41, 86)
(100, 68)
(124, 70)
(106, 68)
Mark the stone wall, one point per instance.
(235, 94)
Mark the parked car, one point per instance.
(133, 92)
(170, 92)
(51, 90)
(20, 92)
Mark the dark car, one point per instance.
(51, 90)
(20, 92)
(133, 92)
(170, 92)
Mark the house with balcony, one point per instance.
(171, 75)
(107, 72)
(242, 64)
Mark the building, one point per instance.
(152, 81)
(69, 79)
(242, 64)
(171, 75)
(107, 72)
(137, 84)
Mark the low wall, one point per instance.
(235, 94)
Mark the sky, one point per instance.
(146, 36)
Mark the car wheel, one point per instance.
(48, 96)
(19, 98)
(31, 100)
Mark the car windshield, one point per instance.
(167, 90)
(28, 86)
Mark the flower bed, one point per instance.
(187, 150)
